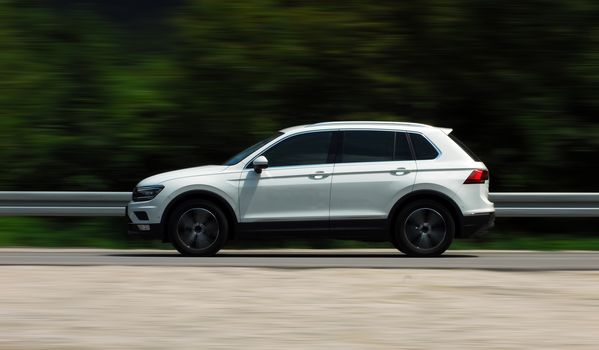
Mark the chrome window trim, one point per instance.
(285, 137)
(439, 152)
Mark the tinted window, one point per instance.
(241, 155)
(304, 149)
(402, 149)
(422, 148)
(367, 146)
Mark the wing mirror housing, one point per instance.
(259, 164)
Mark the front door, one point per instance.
(294, 191)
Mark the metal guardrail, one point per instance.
(113, 204)
(63, 203)
(546, 204)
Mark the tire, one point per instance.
(198, 228)
(423, 228)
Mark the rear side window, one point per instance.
(465, 148)
(402, 148)
(367, 146)
(423, 149)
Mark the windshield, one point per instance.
(246, 152)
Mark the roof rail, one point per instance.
(372, 122)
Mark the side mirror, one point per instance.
(260, 163)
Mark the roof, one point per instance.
(365, 125)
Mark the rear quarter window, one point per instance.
(423, 149)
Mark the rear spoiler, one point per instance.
(447, 131)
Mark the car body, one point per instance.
(362, 180)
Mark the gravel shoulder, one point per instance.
(147, 307)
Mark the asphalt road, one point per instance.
(383, 258)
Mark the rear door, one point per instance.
(372, 170)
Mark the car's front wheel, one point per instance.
(423, 228)
(198, 228)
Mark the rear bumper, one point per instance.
(476, 224)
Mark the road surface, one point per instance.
(61, 299)
(350, 258)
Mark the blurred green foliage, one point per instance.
(98, 94)
(90, 100)
(71, 232)
(109, 233)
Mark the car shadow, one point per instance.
(289, 255)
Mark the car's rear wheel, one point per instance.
(423, 228)
(198, 228)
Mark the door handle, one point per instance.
(319, 175)
(400, 171)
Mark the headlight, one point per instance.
(146, 193)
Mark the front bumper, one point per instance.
(146, 231)
(143, 229)
(473, 225)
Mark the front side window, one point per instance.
(303, 149)
(422, 147)
(366, 146)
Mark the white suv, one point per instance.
(411, 184)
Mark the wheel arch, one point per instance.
(199, 194)
(432, 195)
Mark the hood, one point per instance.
(176, 174)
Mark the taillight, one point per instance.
(477, 176)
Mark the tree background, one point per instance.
(95, 95)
